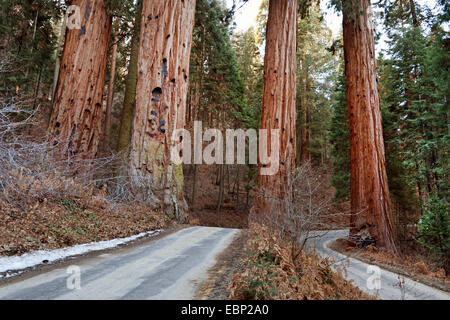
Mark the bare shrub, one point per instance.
(300, 212)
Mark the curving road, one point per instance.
(169, 268)
(174, 266)
(364, 276)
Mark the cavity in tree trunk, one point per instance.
(370, 202)
(76, 120)
(126, 118)
(109, 101)
(278, 101)
(165, 45)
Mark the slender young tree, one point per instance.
(163, 68)
(278, 101)
(126, 119)
(370, 202)
(76, 119)
(110, 99)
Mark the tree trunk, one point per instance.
(110, 99)
(221, 187)
(126, 118)
(58, 56)
(278, 101)
(370, 202)
(165, 45)
(76, 120)
(36, 88)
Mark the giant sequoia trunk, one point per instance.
(370, 202)
(76, 121)
(165, 45)
(278, 101)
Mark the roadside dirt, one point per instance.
(217, 285)
(417, 271)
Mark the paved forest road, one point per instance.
(359, 272)
(169, 268)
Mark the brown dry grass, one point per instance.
(270, 274)
(53, 223)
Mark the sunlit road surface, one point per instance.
(169, 268)
(364, 276)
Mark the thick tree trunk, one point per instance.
(76, 120)
(126, 118)
(221, 187)
(370, 202)
(109, 100)
(165, 45)
(278, 101)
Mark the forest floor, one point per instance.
(53, 224)
(410, 266)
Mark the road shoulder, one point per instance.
(217, 284)
(431, 282)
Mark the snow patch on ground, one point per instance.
(8, 264)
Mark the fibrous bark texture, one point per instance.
(278, 101)
(370, 202)
(76, 121)
(165, 44)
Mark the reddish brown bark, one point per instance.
(165, 45)
(278, 101)
(370, 202)
(76, 120)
